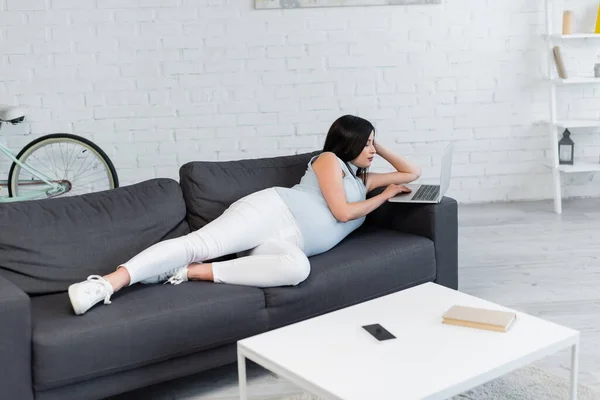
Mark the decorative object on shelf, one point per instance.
(566, 149)
(560, 64)
(597, 30)
(272, 4)
(567, 27)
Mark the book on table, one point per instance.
(480, 318)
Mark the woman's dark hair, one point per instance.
(347, 138)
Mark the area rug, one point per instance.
(530, 383)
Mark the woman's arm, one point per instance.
(330, 176)
(406, 170)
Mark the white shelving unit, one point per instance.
(555, 125)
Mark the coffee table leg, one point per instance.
(574, 370)
(242, 376)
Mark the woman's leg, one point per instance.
(273, 263)
(244, 225)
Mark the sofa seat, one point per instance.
(368, 263)
(145, 324)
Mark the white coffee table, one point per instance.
(333, 357)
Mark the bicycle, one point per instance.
(36, 171)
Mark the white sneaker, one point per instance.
(166, 276)
(179, 276)
(84, 295)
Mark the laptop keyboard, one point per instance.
(427, 193)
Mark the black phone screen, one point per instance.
(379, 332)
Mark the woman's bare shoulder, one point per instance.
(326, 161)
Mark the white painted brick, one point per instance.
(294, 142)
(94, 126)
(118, 3)
(358, 102)
(286, 51)
(308, 37)
(161, 3)
(43, 128)
(226, 66)
(285, 26)
(86, 17)
(327, 24)
(48, 18)
(265, 65)
(137, 15)
(311, 128)
(26, 5)
(276, 130)
(241, 131)
(304, 63)
(195, 134)
(257, 119)
(279, 105)
(258, 143)
(477, 97)
(12, 18)
(238, 107)
(73, 4)
(162, 160)
(524, 167)
(176, 14)
(327, 50)
(198, 109)
(210, 121)
(219, 145)
(319, 103)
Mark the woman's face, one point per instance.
(365, 158)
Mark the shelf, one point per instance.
(578, 167)
(578, 123)
(574, 36)
(576, 81)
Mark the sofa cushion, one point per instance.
(48, 244)
(209, 187)
(144, 324)
(368, 263)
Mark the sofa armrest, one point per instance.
(15, 342)
(438, 222)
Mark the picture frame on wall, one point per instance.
(273, 4)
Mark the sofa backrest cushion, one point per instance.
(210, 187)
(46, 245)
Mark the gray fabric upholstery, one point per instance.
(47, 245)
(367, 264)
(209, 187)
(438, 222)
(119, 385)
(145, 324)
(15, 343)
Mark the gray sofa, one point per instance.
(155, 333)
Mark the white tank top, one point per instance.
(319, 228)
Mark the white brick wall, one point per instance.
(158, 83)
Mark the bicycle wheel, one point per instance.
(78, 165)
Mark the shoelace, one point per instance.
(105, 283)
(178, 277)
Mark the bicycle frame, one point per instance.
(33, 194)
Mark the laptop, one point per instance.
(429, 193)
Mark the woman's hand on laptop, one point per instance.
(394, 189)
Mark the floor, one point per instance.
(521, 255)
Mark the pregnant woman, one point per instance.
(273, 231)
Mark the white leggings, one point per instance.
(259, 226)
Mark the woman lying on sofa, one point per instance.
(275, 230)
